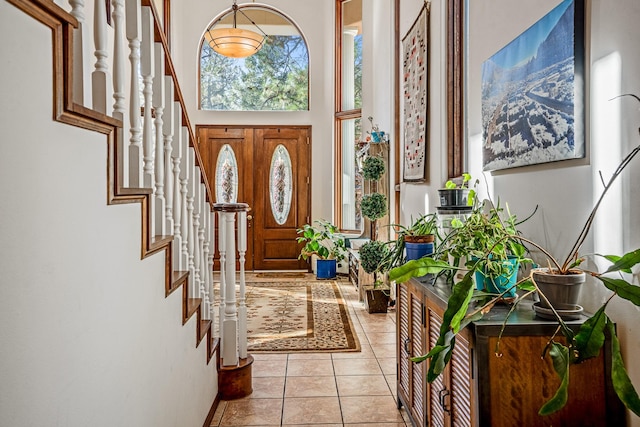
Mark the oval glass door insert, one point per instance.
(226, 176)
(280, 184)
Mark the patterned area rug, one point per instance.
(292, 316)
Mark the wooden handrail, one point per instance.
(170, 70)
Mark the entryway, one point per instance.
(269, 168)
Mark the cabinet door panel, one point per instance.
(437, 389)
(403, 337)
(461, 383)
(417, 349)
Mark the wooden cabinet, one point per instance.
(478, 388)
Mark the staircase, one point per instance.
(132, 97)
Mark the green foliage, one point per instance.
(485, 241)
(372, 254)
(560, 357)
(373, 168)
(619, 376)
(466, 178)
(373, 206)
(321, 239)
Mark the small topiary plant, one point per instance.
(373, 168)
(374, 206)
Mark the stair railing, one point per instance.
(136, 83)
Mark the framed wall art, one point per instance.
(533, 93)
(415, 56)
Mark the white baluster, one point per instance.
(147, 70)
(204, 251)
(176, 156)
(134, 152)
(119, 105)
(100, 76)
(184, 181)
(159, 227)
(77, 10)
(212, 249)
(191, 238)
(206, 248)
(118, 59)
(168, 129)
(242, 310)
(222, 250)
(196, 253)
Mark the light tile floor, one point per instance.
(325, 389)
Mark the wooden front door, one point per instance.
(279, 195)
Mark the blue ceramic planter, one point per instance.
(326, 269)
(417, 250)
(496, 285)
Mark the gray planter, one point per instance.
(562, 290)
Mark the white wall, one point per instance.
(420, 198)
(564, 191)
(88, 338)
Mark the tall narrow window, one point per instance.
(348, 112)
(276, 77)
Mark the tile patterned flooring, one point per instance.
(325, 389)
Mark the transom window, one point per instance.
(274, 78)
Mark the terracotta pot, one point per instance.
(427, 238)
(562, 290)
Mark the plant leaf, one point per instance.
(527, 285)
(614, 259)
(442, 357)
(418, 268)
(590, 337)
(434, 351)
(624, 263)
(560, 357)
(621, 382)
(465, 285)
(623, 288)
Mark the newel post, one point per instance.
(234, 378)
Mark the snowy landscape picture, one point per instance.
(532, 93)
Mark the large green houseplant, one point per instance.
(323, 240)
(584, 344)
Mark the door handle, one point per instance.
(406, 346)
(442, 395)
(249, 217)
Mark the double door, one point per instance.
(269, 168)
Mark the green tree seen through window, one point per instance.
(275, 78)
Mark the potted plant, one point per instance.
(322, 240)
(372, 260)
(577, 346)
(457, 195)
(413, 241)
(487, 244)
(373, 205)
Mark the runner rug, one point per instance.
(290, 316)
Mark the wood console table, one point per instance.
(478, 388)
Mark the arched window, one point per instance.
(274, 78)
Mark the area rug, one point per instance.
(291, 316)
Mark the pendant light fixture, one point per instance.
(235, 42)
